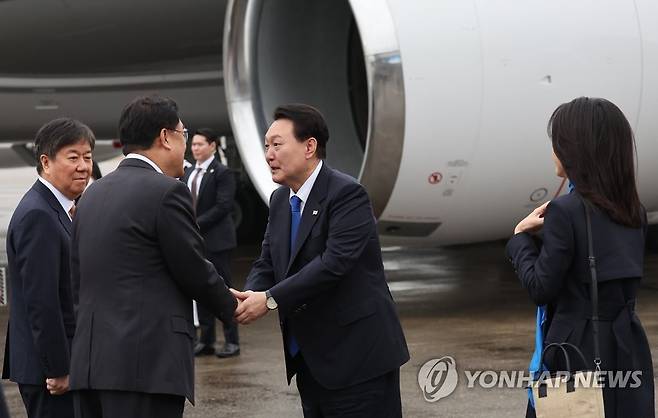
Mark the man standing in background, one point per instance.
(41, 319)
(212, 186)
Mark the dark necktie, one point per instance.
(195, 183)
(295, 219)
(72, 211)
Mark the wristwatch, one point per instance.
(271, 303)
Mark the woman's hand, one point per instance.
(533, 222)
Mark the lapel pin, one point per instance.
(212, 170)
(315, 212)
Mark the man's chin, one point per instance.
(277, 179)
(75, 193)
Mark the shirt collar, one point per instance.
(146, 160)
(306, 188)
(63, 200)
(204, 165)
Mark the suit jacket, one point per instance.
(138, 261)
(557, 275)
(41, 320)
(331, 292)
(214, 206)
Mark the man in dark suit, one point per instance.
(212, 186)
(41, 319)
(321, 268)
(138, 261)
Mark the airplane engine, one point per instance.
(439, 108)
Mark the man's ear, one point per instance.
(45, 162)
(163, 140)
(311, 147)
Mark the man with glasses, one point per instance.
(138, 261)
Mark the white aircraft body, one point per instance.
(439, 107)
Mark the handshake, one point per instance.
(251, 306)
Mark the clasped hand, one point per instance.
(58, 385)
(251, 306)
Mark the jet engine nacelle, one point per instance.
(440, 107)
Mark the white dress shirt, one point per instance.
(204, 167)
(146, 160)
(66, 203)
(306, 188)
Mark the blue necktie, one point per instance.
(295, 219)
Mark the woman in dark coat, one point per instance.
(593, 147)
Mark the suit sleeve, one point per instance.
(542, 272)
(224, 196)
(39, 265)
(261, 276)
(351, 225)
(183, 251)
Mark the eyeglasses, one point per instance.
(184, 132)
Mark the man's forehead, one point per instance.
(279, 128)
(81, 146)
(269, 136)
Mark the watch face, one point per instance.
(271, 304)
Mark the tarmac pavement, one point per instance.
(464, 302)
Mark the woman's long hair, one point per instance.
(594, 141)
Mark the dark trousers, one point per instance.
(39, 403)
(376, 398)
(4, 413)
(123, 404)
(221, 261)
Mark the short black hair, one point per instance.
(208, 133)
(60, 133)
(307, 122)
(142, 120)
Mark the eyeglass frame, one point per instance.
(184, 132)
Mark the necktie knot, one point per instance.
(295, 204)
(72, 211)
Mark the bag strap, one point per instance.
(594, 289)
(564, 351)
(563, 346)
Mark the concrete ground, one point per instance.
(464, 302)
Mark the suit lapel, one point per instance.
(54, 204)
(186, 176)
(206, 177)
(65, 221)
(280, 232)
(312, 209)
